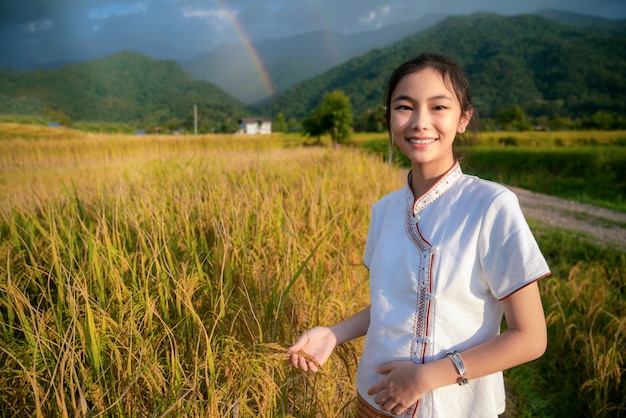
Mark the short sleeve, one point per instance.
(509, 253)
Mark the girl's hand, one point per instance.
(401, 386)
(313, 349)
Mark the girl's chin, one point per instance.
(431, 161)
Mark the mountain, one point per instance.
(125, 87)
(546, 67)
(587, 22)
(290, 60)
(53, 65)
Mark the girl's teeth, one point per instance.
(421, 141)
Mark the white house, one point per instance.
(253, 126)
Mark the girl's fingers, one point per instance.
(301, 362)
(293, 359)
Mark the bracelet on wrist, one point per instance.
(459, 365)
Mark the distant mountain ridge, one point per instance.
(293, 59)
(582, 21)
(544, 66)
(124, 87)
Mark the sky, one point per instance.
(34, 32)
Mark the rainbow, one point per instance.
(247, 44)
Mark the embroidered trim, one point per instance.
(365, 410)
(442, 185)
(420, 337)
(426, 254)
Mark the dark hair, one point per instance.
(454, 78)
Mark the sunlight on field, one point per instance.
(552, 138)
(167, 276)
(33, 168)
(154, 275)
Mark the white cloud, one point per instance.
(374, 15)
(207, 14)
(118, 9)
(218, 20)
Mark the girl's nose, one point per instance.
(419, 119)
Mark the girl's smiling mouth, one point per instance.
(421, 141)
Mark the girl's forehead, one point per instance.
(424, 80)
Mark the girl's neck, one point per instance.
(423, 178)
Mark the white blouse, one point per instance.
(439, 267)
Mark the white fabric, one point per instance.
(438, 269)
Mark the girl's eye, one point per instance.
(403, 107)
(439, 108)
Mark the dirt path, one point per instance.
(605, 226)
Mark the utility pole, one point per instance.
(195, 119)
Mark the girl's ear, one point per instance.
(465, 120)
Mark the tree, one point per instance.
(313, 126)
(373, 120)
(333, 117)
(293, 125)
(513, 117)
(279, 124)
(58, 116)
(599, 120)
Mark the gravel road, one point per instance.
(606, 227)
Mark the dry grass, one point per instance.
(587, 316)
(166, 276)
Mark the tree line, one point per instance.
(334, 117)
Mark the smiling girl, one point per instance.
(448, 255)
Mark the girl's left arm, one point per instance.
(524, 340)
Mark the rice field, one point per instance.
(167, 276)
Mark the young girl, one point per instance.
(448, 255)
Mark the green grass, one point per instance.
(594, 174)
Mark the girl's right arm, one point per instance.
(319, 342)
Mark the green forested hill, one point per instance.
(543, 66)
(125, 87)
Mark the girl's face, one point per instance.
(425, 116)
